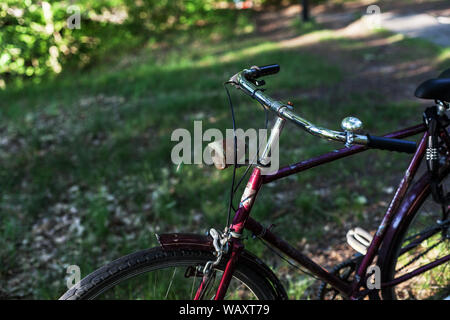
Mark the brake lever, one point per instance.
(258, 83)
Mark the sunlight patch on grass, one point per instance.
(444, 57)
(232, 56)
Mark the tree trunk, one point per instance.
(305, 11)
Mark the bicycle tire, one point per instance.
(149, 260)
(389, 255)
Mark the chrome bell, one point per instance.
(351, 124)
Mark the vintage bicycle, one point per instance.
(411, 242)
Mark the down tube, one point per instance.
(257, 229)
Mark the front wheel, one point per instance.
(167, 274)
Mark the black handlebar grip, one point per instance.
(391, 144)
(256, 72)
(268, 70)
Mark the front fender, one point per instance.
(202, 242)
(185, 240)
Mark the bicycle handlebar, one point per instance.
(244, 80)
(390, 144)
(255, 72)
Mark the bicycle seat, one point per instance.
(436, 89)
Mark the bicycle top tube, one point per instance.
(246, 81)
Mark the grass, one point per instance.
(86, 176)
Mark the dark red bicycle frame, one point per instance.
(242, 219)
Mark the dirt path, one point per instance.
(419, 25)
(370, 72)
(393, 80)
(427, 20)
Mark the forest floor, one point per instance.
(86, 174)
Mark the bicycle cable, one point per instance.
(230, 205)
(233, 188)
(257, 152)
(289, 262)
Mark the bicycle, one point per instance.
(409, 243)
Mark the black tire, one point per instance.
(390, 265)
(142, 263)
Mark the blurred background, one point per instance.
(91, 91)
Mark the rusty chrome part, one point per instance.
(220, 243)
(285, 111)
(351, 125)
(274, 137)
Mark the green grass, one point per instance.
(86, 176)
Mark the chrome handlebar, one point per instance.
(286, 112)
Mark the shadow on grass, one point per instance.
(95, 148)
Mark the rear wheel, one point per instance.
(167, 274)
(422, 239)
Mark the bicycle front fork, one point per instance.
(236, 246)
(234, 233)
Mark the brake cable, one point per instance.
(230, 205)
(233, 188)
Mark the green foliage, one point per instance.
(86, 175)
(160, 16)
(36, 40)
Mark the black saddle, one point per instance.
(436, 89)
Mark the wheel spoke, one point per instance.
(424, 242)
(237, 289)
(193, 283)
(170, 283)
